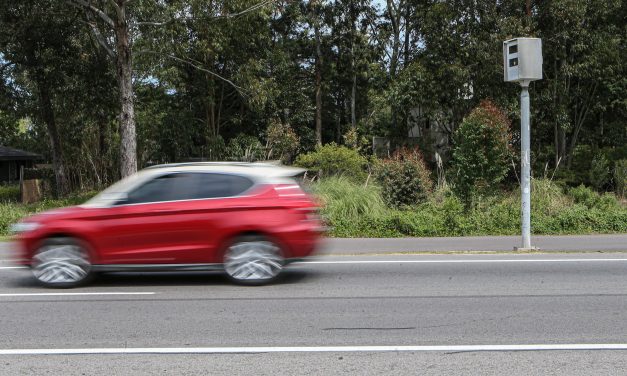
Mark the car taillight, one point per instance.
(289, 190)
(308, 214)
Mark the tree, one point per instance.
(114, 15)
(482, 152)
(37, 38)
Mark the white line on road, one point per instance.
(312, 349)
(459, 261)
(75, 294)
(456, 261)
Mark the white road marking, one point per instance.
(74, 294)
(312, 349)
(473, 261)
(444, 261)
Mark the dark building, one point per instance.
(11, 160)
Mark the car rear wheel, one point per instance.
(62, 263)
(253, 260)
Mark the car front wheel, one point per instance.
(253, 260)
(62, 263)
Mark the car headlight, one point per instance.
(21, 227)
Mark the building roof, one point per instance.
(10, 154)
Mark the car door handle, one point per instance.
(160, 210)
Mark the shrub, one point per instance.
(547, 196)
(620, 177)
(9, 193)
(332, 159)
(245, 148)
(216, 148)
(584, 196)
(481, 155)
(404, 178)
(599, 172)
(281, 142)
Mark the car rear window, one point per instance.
(211, 185)
(189, 186)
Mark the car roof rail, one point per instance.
(226, 163)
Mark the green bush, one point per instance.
(404, 178)
(620, 177)
(9, 193)
(216, 149)
(599, 172)
(584, 196)
(332, 159)
(281, 141)
(481, 155)
(245, 148)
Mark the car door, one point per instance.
(156, 224)
(174, 218)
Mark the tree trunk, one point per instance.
(124, 70)
(318, 85)
(394, 14)
(47, 114)
(353, 70)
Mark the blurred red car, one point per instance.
(249, 220)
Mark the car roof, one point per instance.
(259, 170)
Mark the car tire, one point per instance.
(62, 263)
(253, 260)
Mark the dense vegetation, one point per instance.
(103, 87)
(213, 79)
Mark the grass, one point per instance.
(12, 211)
(355, 211)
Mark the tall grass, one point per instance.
(354, 210)
(344, 199)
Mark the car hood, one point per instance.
(56, 214)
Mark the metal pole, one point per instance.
(525, 162)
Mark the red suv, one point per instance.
(249, 220)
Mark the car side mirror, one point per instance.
(121, 199)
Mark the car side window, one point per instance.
(213, 185)
(188, 186)
(162, 188)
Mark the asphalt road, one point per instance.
(503, 301)
(545, 243)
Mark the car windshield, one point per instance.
(116, 191)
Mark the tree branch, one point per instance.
(83, 4)
(191, 63)
(98, 35)
(233, 15)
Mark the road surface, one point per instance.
(386, 314)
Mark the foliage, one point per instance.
(9, 193)
(11, 212)
(553, 212)
(344, 200)
(599, 173)
(207, 72)
(281, 142)
(333, 159)
(245, 148)
(404, 177)
(620, 177)
(481, 156)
